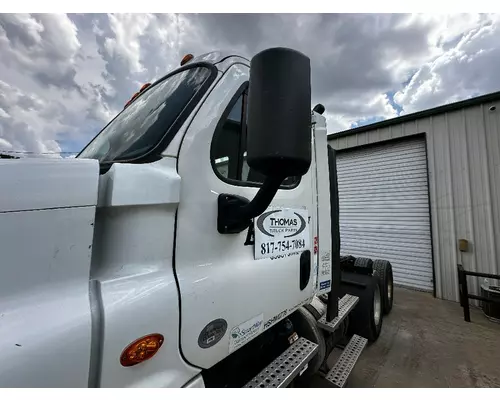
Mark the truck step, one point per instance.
(338, 375)
(292, 362)
(346, 304)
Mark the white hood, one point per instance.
(38, 184)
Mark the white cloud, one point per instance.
(63, 77)
(53, 82)
(4, 114)
(348, 111)
(127, 29)
(464, 70)
(4, 144)
(45, 45)
(28, 114)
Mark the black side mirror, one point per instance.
(278, 131)
(279, 113)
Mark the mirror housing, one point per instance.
(278, 131)
(279, 113)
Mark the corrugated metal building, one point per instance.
(412, 186)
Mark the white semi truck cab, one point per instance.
(194, 242)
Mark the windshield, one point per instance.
(140, 127)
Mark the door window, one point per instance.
(228, 150)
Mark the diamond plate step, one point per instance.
(286, 367)
(346, 304)
(338, 375)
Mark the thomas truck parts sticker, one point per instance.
(281, 232)
(245, 332)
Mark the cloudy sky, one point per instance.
(62, 77)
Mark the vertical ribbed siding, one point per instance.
(463, 155)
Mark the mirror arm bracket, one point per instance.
(235, 213)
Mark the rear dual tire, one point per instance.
(363, 262)
(383, 269)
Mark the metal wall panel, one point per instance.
(463, 150)
(384, 209)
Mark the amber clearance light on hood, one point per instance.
(141, 349)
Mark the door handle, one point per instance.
(305, 269)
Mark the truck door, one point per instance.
(229, 293)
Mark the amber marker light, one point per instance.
(186, 58)
(141, 349)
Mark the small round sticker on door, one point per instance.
(212, 333)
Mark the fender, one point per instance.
(47, 214)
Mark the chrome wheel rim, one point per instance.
(377, 305)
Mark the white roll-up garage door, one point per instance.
(384, 209)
